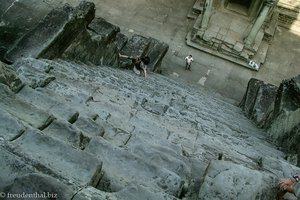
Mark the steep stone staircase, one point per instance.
(94, 132)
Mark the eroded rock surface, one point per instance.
(82, 130)
(113, 134)
(74, 34)
(258, 102)
(277, 110)
(9, 77)
(53, 35)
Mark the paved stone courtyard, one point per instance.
(167, 21)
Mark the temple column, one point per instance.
(258, 23)
(205, 17)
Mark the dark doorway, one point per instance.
(239, 6)
(246, 3)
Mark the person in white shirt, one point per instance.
(188, 61)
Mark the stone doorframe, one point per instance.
(253, 9)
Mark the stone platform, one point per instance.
(224, 37)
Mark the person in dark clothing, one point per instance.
(139, 63)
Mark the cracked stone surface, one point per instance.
(154, 138)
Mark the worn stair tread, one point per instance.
(22, 110)
(79, 167)
(122, 167)
(10, 127)
(66, 132)
(11, 167)
(53, 104)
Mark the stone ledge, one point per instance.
(58, 158)
(225, 180)
(241, 62)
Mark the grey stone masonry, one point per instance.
(9, 77)
(54, 34)
(221, 182)
(10, 127)
(11, 167)
(58, 158)
(156, 53)
(278, 110)
(23, 111)
(136, 47)
(259, 101)
(120, 169)
(154, 137)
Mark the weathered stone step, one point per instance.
(58, 158)
(160, 152)
(53, 104)
(136, 46)
(115, 135)
(122, 167)
(10, 127)
(11, 167)
(33, 77)
(22, 110)
(48, 40)
(41, 186)
(132, 192)
(97, 45)
(253, 182)
(9, 77)
(90, 127)
(66, 132)
(156, 52)
(18, 18)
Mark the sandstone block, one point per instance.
(34, 78)
(121, 41)
(22, 110)
(250, 96)
(238, 47)
(89, 127)
(11, 167)
(19, 17)
(9, 77)
(103, 28)
(49, 102)
(132, 192)
(156, 52)
(153, 107)
(284, 128)
(120, 169)
(264, 104)
(40, 186)
(66, 132)
(58, 158)
(225, 180)
(136, 46)
(116, 136)
(95, 47)
(34, 64)
(54, 33)
(10, 127)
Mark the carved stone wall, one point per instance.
(277, 110)
(289, 14)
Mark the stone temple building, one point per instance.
(237, 30)
(76, 124)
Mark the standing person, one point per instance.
(139, 64)
(188, 61)
(287, 185)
